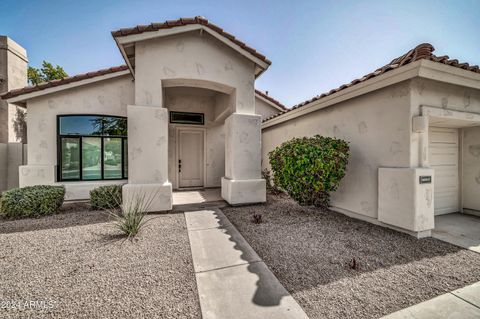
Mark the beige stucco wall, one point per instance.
(264, 109)
(444, 95)
(471, 168)
(377, 127)
(13, 75)
(12, 155)
(109, 97)
(192, 56)
(3, 166)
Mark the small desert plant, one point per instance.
(130, 218)
(32, 201)
(353, 264)
(310, 168)
(257, 219)
(271, 188)
(106, 197)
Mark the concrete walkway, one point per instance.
(463, 303)
(458, 229)
(232, 280)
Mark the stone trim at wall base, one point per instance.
(30, 175)
(158, 195)
(418, 234)
(77, 191)
(237, 192)
(405, 197)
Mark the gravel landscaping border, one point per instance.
(311, 252)
(79, 266)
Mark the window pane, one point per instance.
(125, 157)
(70, 165)
(81, 125)
(112, 158)
(115, 126)
(186, 118)
(93, 125)
(92, 158)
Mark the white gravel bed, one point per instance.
(75, 265)
(310, 251)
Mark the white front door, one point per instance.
(190, 158)
(443, 157)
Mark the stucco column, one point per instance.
(242, 183)
(148, 157)
(420, 126)
(405, 194)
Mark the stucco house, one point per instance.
(188, 99)
(414, 131)
(195, 120)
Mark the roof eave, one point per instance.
(449, 74)
(125, 57)
(266, 100)
(389, 78)
(22, 99)
(422, 68)
(269, 103)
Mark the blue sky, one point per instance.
(314, 45)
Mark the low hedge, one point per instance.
(32, 201)
(310, 168)
(106, 197)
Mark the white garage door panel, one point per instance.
(445, 156)
(443, 148)
(443, 135)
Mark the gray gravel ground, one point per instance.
(309, 251)
(78, 261)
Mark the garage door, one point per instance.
(443, 151)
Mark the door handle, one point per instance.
(179, 165)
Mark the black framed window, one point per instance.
(92, 147)
(187, 118)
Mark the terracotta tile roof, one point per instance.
(271, 99)
(70, 79)
(422, 51)
(188, 21)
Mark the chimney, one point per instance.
(13, 75)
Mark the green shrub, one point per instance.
(310, 168)
(271, 188)
(106, 197)
(32, 201)
(110, 162)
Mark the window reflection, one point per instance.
(92, 158)
(70, 158)
(112, 158)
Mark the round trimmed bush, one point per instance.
(106, 197)
(310, 168)
(32, 201)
